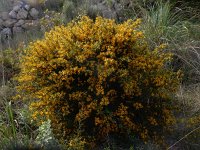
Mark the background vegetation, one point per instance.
(176, 24)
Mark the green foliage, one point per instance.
(18, 145)
(50, 20)
(10, 130)
(158, 21)
(9, 64)
(73, 8)
(69, 11)
(168, 24)
(102, 75)
(54, 5)
(15, 128)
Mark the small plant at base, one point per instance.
(45, 137)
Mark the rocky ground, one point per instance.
(24, 14)
(21, 17)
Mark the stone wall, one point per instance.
(25, 14)
(20, 18)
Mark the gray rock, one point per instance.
(27, 7)
(17, 30)
(5, 33)
(1, 28)
(22, 14)
(9, 23)
(34, 13)
(13, 14)
(19, 23)
(16, 8)
(4, 15)
(1, 22)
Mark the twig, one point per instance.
(183, 138)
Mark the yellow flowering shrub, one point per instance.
(100, 74)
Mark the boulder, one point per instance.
(6, 33)
(22, 14)
(19, 23)
(34, 13)
(1, 28)
(13, 14)
(9, 23)
(16, 8)
(4, 15)
(1, 22)
(27, 7)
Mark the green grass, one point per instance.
(5, 5)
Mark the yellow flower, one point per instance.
(137, 105)
(99, 73)
(152, 121)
